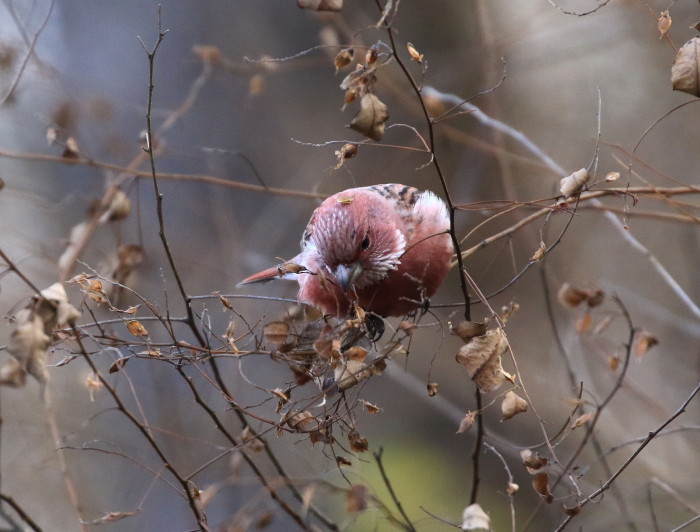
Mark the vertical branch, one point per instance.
(378, 458)
(476, 455)
(151, 54)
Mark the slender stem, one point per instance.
(407, 522)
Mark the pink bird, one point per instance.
(385, 248)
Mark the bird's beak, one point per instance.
(346, 274)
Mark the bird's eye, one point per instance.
(365, 243)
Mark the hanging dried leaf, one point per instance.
(343, 58)
(207, 53)
(433, 389)
(512, 488)
(346, 151)
(355, 371)
(482, 358)
(415, 54)
(118, 364)
(571, 511)
(276, 332)
(71, 150)
(61, 311)
(357, 442)
(119, 208)
(612, 176)
(136, 328)
(342, 461)
(474, 518)
(540, 253)
(371, 408)
(686, 68)
(643, 341)
(570, 296)
(467, 422)
(613, 363)
(581, 420)
(664, 23)
(371, 117)
(573, 184)
(532, 461)
(302, 422)
(584, 323)
(12, 374)
(321, 5)
(356, 499)
(541, 485)
(512, 405)
(467, 330)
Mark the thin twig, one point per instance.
(407, 522)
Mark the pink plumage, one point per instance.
(384, 247)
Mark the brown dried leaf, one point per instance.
(512, 405)
(474, 518)
(207, 53)
(512, 488)
(302, 422)
(643, 341)
(343, 58)
(540, 253)
(355, 353)
(532, 461)
(570, 296)
(613, 363)
(574, 183)
(612, 176)
(415, 54)
(571, 511)
(467, 422)
(136, 328)
(370, 119)
(482, 358)
(433, 389)
(664, 23)
(581, 420)
(342, 461)
(357, 442)
(12, 374)
(541, 485)
(346, 151)
(686, 68)
(256, 84)
(118, 364)
(584, 323)
(28, 344)
(371, 408)
(467, 330)
(276, 332)
(321, 5)
(356, 499)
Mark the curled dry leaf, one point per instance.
(541, 485)
(663, 23)
(433, 389)
(356, 499)
(612, 176)
(574, 183)
(415, 54)
(28, 344)
(613, 363)
(467, 422)
(643, 341)
(371, 117)
(342, 461)
(467, 330)
(136, 328)
(584, 323)
(343, 58)
(512, 488)
(302, 422)
(276, 332)
(118, 364)
(12, 374)
(346, 151)
(371, 408)
(357, 442)
(533, 462)
(570, 296)
(356, 371)
(571, 511)
(581, 420)
(207, 53)
(540, 253)
(474, 518)
(251, 440)
(119, 208)
(512, 405)
(321, 5)
(686, 68)
(482, 358)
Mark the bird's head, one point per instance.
(358, 238)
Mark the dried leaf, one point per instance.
(207, 53)
(571, 511)
(532, 461)
(302, 422)
(686, 68)
(371, 408)
(581, 420)
(356, 499)
(584, 323)
(321, 5)
(467, 330)
(571, 296)
(119, 208)
(433, 389)
(28, 344)
(136, 328)
(474, 518)
(512, 488)
(276, 332)
(343, 58)
(355, 371)
(118, 364)
(664, 23)
(346, 151)
(12, 374)
(612, 176)
(256, 84)
(541, 485)
(613, 363)
(342, 461)
(467, 422)
(512, 405)
(57, 298)
(415, 55)
(643, 341)
(71, 150)
(540, 253)
(371, 117)
(482, 358)
(357, 442)
(574, 183)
